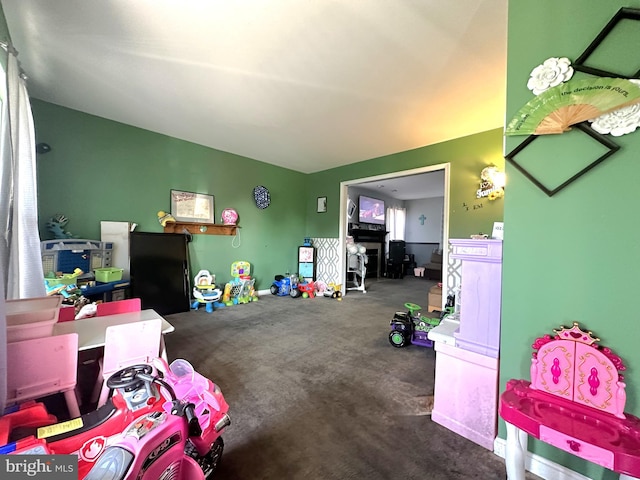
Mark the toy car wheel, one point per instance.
(397, 338)
(295, 293)
(209, 462)
(273, 290)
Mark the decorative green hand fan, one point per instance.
(556, 109)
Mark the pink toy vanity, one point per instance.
(575, 402)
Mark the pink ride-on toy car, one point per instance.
(182, 442)
(170, 422)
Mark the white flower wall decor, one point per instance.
(550, 73)
(619, 122)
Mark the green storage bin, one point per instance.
(65, 279)
(106, 275)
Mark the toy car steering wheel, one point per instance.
(412, 307)
(127, 377)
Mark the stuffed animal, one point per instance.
(84, 308)
(164, 218)
(56, 226)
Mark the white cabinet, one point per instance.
(118, 234)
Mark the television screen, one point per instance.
(371, 210)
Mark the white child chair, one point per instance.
(125, 345)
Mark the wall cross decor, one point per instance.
(422, 218)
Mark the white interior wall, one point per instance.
(424, 220)
(424, 230)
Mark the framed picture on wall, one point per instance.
(351, 208)
(192, 207)
(322, 204)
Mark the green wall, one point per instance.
(103, 170)
(98, 169)
(468, 156)
(573, 256)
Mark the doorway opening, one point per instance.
(347, 208)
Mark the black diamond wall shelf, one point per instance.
(608, 55)
(534, 168)
(617, 41)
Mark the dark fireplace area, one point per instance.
(374, 257)
(372, 238)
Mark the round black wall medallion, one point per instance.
(261, 197)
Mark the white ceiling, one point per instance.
(408, 187)
(303, 84)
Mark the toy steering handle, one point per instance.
(412, 307)
(195, 430)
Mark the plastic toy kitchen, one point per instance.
(467, 345)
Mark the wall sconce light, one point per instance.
(492, 182)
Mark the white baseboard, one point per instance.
(500, 447)
(540, 466)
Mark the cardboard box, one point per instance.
(435, 298)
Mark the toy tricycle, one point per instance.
(411, 327)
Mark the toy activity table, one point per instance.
(575, 402)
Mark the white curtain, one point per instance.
(20, 258)
(396, 219)
(3, 350)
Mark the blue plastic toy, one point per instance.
(285, 285)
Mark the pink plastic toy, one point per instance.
(39, 367)
(575, 402)
(229, 216)
(118, 306)
(183, 442)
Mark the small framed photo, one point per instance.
(351, 208)
(322, 204)
(192, 207)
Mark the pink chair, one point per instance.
(66, 314)
(40, 367)
(125, 345)
(119, 306)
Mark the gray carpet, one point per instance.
(317, 392)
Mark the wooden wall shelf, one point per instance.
(200, 228)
